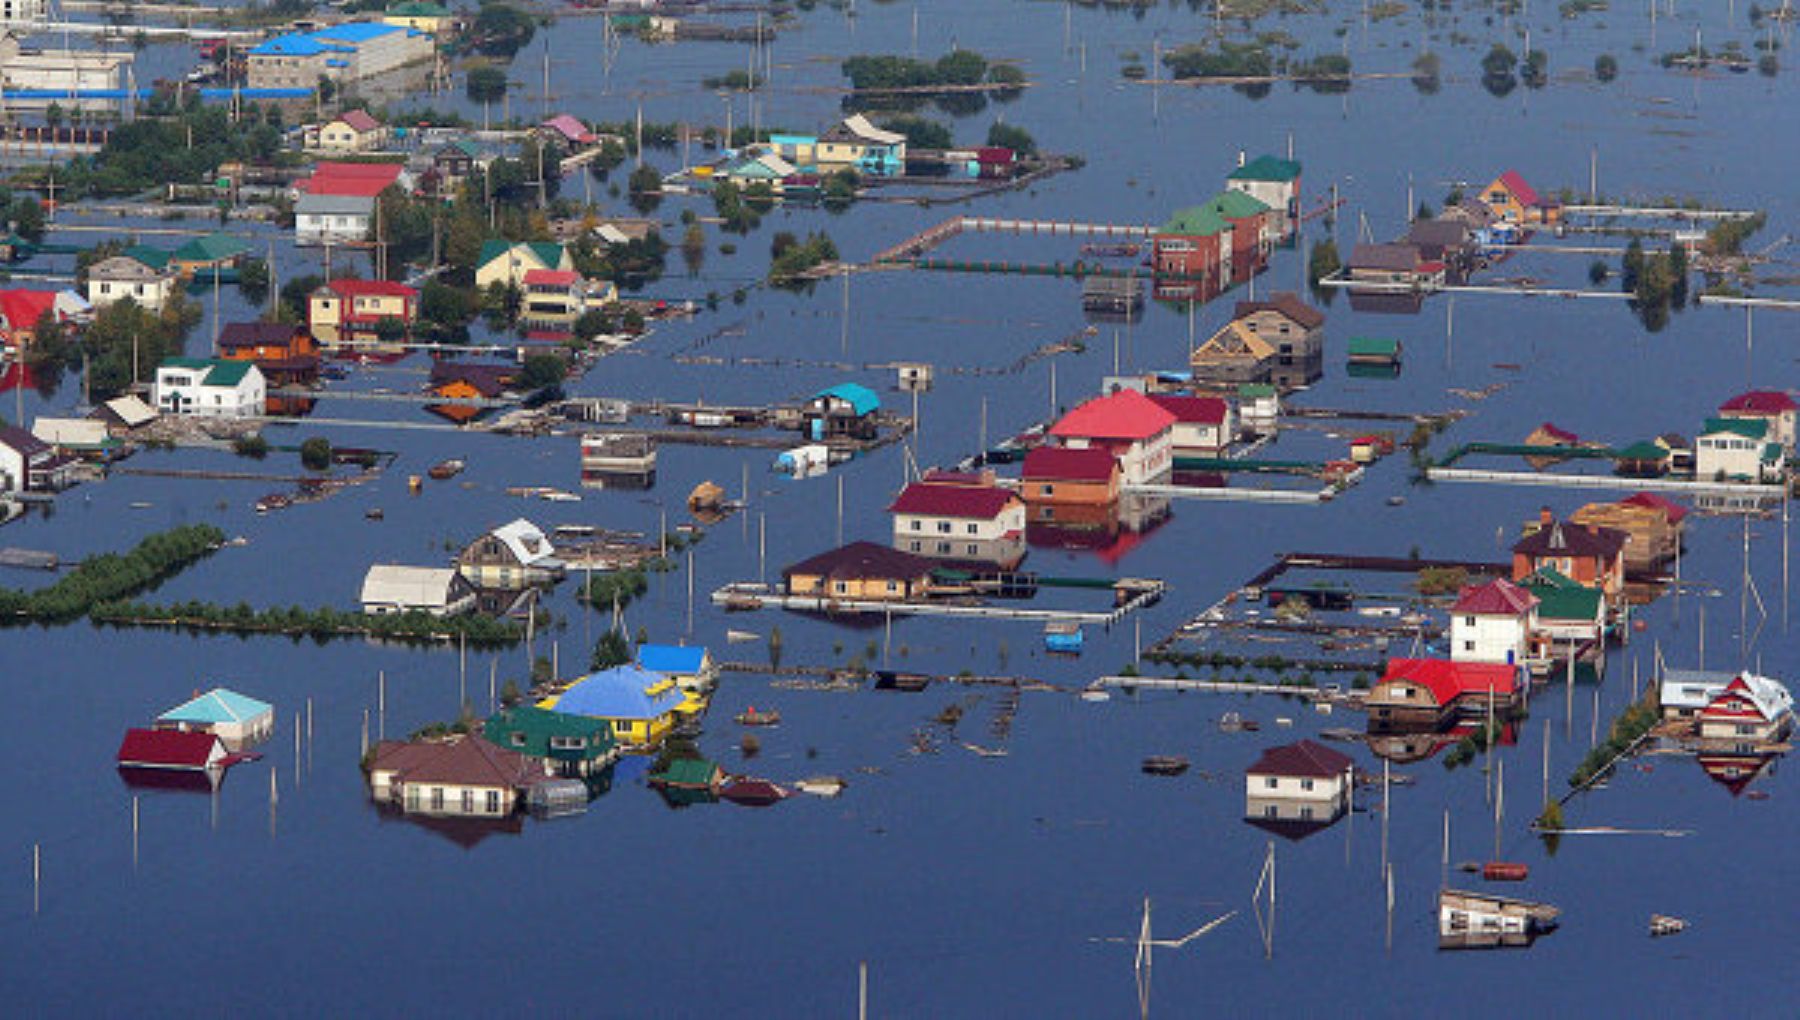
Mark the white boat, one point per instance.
(822, 786)
(559, 496)
(741, 637)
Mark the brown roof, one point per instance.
(465, 761)
(488, 380)
(863, 560)
(1395, 257)
(256, 334)
(1561, 538)
(1306, 758)
(1287, 303)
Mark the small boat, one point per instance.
(415, 484)
(751, 717)
(444, 470)
(1282, 720)
(273, 501)
(1396, 501)
(141, 505)
(985, 752)
(752, 792)
(559, 496)
(1662, 924)
(1095, 694)
(1505, 871)
(1165, 765)
(1757, 795)
(374, 513)
(1231, 722)
(822, 786)
(1063, 638)
(911, 683)
(741, 637)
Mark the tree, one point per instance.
(486, 84)
(1499, 61)
(389, 330)
(921, 132)
(253, 278)
(1598, 272)
(611, 650)
(1008, 136)
(28, 218)
(315, 453)
(1606, 67)
(542, 370)
(500, 29)
(591, 324)
(296, 292)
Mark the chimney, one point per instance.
(1240, 158)
(1545, 517)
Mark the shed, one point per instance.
(440, 591)
(226, 714)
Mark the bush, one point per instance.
(315, 453)
(255, 447)
(1606, 68)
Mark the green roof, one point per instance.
(155, 258)
(688, 772)
(193, 363)
(211, 248)
(1559, 603)
(227, 373)
(1550, 577)
(1254, 390)
(1195, 221)
(1236, 205)
(1749, 428)
(542, 733)
(1266, 168)
(415, 9)
(548, 252)
(1374, 346)
(1643, 449)
(1771, 453)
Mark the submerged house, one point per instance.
(439, 591)
(1129, 426)
(513, 556)
(233, 718)
(961, 518)
(1750, 709)
(1203, 427)
(1590, 556)
(641, 707)
(1654, 526)
(1296, 788)
(1493, 622)
(1514, 201)
(690, 666)
(571, 746)
(861, 571)
(844, 410)
(465, 776)
(855, 144)
(1571, 619)
(1685, 693)
(1234, 354)
(178, 750)
(1066, 486)
(1430, 694)
(1774, 407)
(1739, 450)
(1274, 182)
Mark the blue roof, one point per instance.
(358, 31)
(293, 46)
(217, 706)
(679, 660)
(861, 398)
(620, 693)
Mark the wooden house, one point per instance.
(1590, 556)
(1394, 265)
(1234, 354)
(1298, 788)
(1654, 524)
(1128, 425)
(233, 718)
(861, 571)
(467, 381)
(1515, 201)
(960, 518)
(1063, 485)
(1493, 622)
(464, 776)
(1549, 436)
(511, 557)
(287, 354)
(572, 746)
(641, 707)
(1771, 406)
(1750, 710)
(1429, 694)
(1296, 332)
(844, 410)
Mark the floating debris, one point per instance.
(1232, 722)
(822, 786)
(1662, 924)
(751, 717)
(1165, 765)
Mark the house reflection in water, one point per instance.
(1735, 772)
(1297, 789)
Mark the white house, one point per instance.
(332, 219)
(440, 591)
(1204, 426)
(1259, 408)
(1684, 693)
(24, 459)
(210, 388)
(1303, 782)
(1126, 424)
(1493, 623)
(122, 276)
(960, 517)
(1751, 708)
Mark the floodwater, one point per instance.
(971, 885)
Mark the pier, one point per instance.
(1558, 480)
(754, 595)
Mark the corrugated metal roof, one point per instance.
(219, 705)
(681, 660)
(623, 692)
(420, 587)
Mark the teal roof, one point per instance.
(622, 692)
(1749, 428)
(217, 706)
(1643, 449)
(211, 248)
(860, 398)
(1266, 168)
(542, 733)
(1195, 221)
(1382, 346)
(227, 373)
(1771, 453)
(548, 252)
(1559, 603)
(155, 258)
(181, 362)
(689, 772)
(1254, 390)
(1236, 205)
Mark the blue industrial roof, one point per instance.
(358, 31)
(295, 46)
(861, 398)
(217, 706)
(678, 660)
(620, 693)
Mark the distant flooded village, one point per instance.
(1256, 498)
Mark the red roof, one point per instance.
(350, 180)
(1560, 435)
(570, 128)
(1448, 681)
(1760, 402)
(1674, 511)
(371, 288)
(1525, 193)
(171, 749)
(1061, 464)
(22, 308)
(1193, 410)
(1498, 597)
(955, 500)
(992, 154)
(360, 121)
(1126, 414)
(552, 277)
(1306, 759)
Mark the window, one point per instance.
(518, 739)
(974, 529)
(1745, 730)
(943, 547)
(972, 547)
(468, 802)
(1049, 490)
(893, 586)
(1306, 784)
(1270, 810)
(943, 527)
(1468, 646)
(437, 798)
(915, 546)
(1468, 621)
(493, 802)
(1306, 813)
(1271, 782)
(841, 586)
(917, 524)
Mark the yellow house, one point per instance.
(505, 262)
(1513, 200)
(425, 17)
(641, 707)
(355, 131)
(351, 310)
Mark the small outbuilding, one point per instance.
(232, 717)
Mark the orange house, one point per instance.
(1515, 201)
(460, 381)
(287, 355)
(1593, 557)
(1065, 484)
